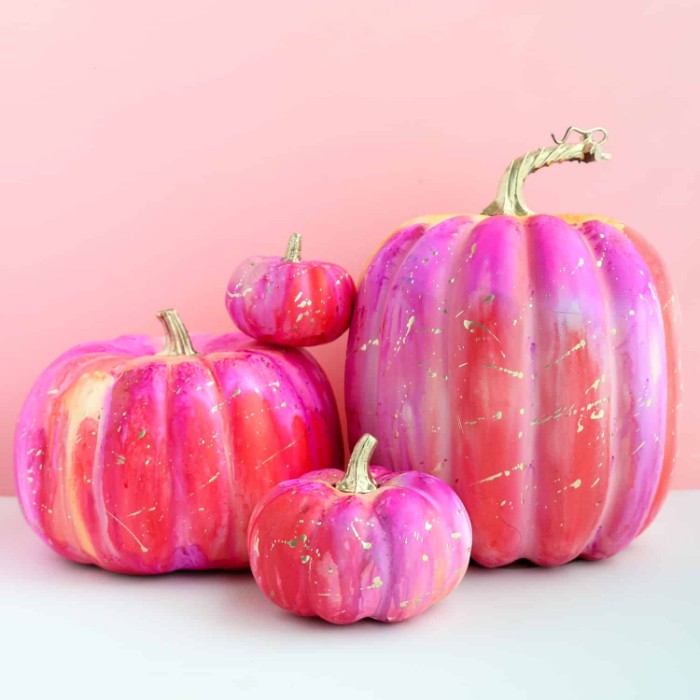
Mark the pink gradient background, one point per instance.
(147, 147)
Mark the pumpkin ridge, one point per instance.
(610, 469)
(223, 408)
(666, 297)
(568, 360)
(376, 331)
(620, 521)
(494, 386)
(532, 410)
(58, 454)
(79, 506)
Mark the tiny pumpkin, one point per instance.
(287, 301)
(143, 459)
(367, 543)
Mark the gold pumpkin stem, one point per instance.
(177, 339)
(293, 253)
(509, 199)
(357, 478)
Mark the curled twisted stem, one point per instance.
(509, 199)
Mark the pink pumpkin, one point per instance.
(529, 361)
(370, 543)
(143, 459)
(289, 302)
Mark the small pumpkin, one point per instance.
(367, 543)
(531, 362)
(144, 459)
(287, 301)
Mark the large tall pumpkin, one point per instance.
(143, 457)
(530, 361)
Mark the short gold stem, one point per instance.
(293, 253)
(509, 199)
(177, 339)
(357, 478)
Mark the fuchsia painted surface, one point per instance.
(286, 302)
(149, 147)
(145, 464)
(529, 363)
(389, 554)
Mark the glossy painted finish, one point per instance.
(290, 302)
(389, 554)
(143, 463)
(531, 363)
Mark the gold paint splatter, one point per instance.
(512, 372)
(579, 346)
(518, 467)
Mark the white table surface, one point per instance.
(628, 627)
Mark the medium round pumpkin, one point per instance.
(528, 360)
(367, 543)
(287, 301)
(145, 460)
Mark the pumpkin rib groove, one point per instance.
(531, 408)
(455, 406)
(609, 469)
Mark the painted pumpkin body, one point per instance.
(287, 301)
(530, 361)
(389, 554)
(143, 463)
